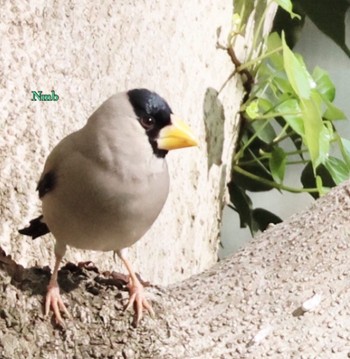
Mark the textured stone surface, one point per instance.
(246, 306)
(86, 51)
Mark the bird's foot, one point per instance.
(54, 300)
(139, 301)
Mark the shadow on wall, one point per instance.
(214, 119)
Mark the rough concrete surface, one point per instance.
(87, 50)
(247, 306)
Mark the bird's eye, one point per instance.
(147, 122)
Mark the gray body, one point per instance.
(106, 196)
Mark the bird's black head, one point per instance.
(153, 113)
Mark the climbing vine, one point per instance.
(285, 105)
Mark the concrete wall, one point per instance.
(86, 51)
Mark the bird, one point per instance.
(103, 186)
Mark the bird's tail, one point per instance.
(37, 227)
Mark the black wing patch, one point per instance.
(37, 227)
(46, 184)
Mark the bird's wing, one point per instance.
(62, 152)
(46, 183)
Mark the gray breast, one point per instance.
(100, 210)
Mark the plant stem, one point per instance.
(297, 152)
(257, 30)
(273, 184)
(338, 139)
(250, 140)
(283, 135)
(250, 162)
(259, 162)
(270, 115)
(267, 155)
(301, 162)
(259, 58)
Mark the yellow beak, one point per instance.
(176, 135)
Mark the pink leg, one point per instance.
(136, 291)
(53, 297)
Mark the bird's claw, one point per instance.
(139, 302)
(54, 301)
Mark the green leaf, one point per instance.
(338, 169)
(308, 178)
(243, 10)
(281, 81)
(291, 27)
(257, 219)
(332, 112)
(264, 105)
(257, 108)
(263, 218)
(325, 139)
(296, 72)
(253, 110)
(300, 58)
(242, 204)
(291, 112)
(236, 22)
(319, 185)
(313, 127)
(287, 5)
(326, 89)
(274, 62)
(345, 148)
(324, 84)
(264, 131)
(277, 164)
(274, 42)
(293, 136)
(288, 106)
